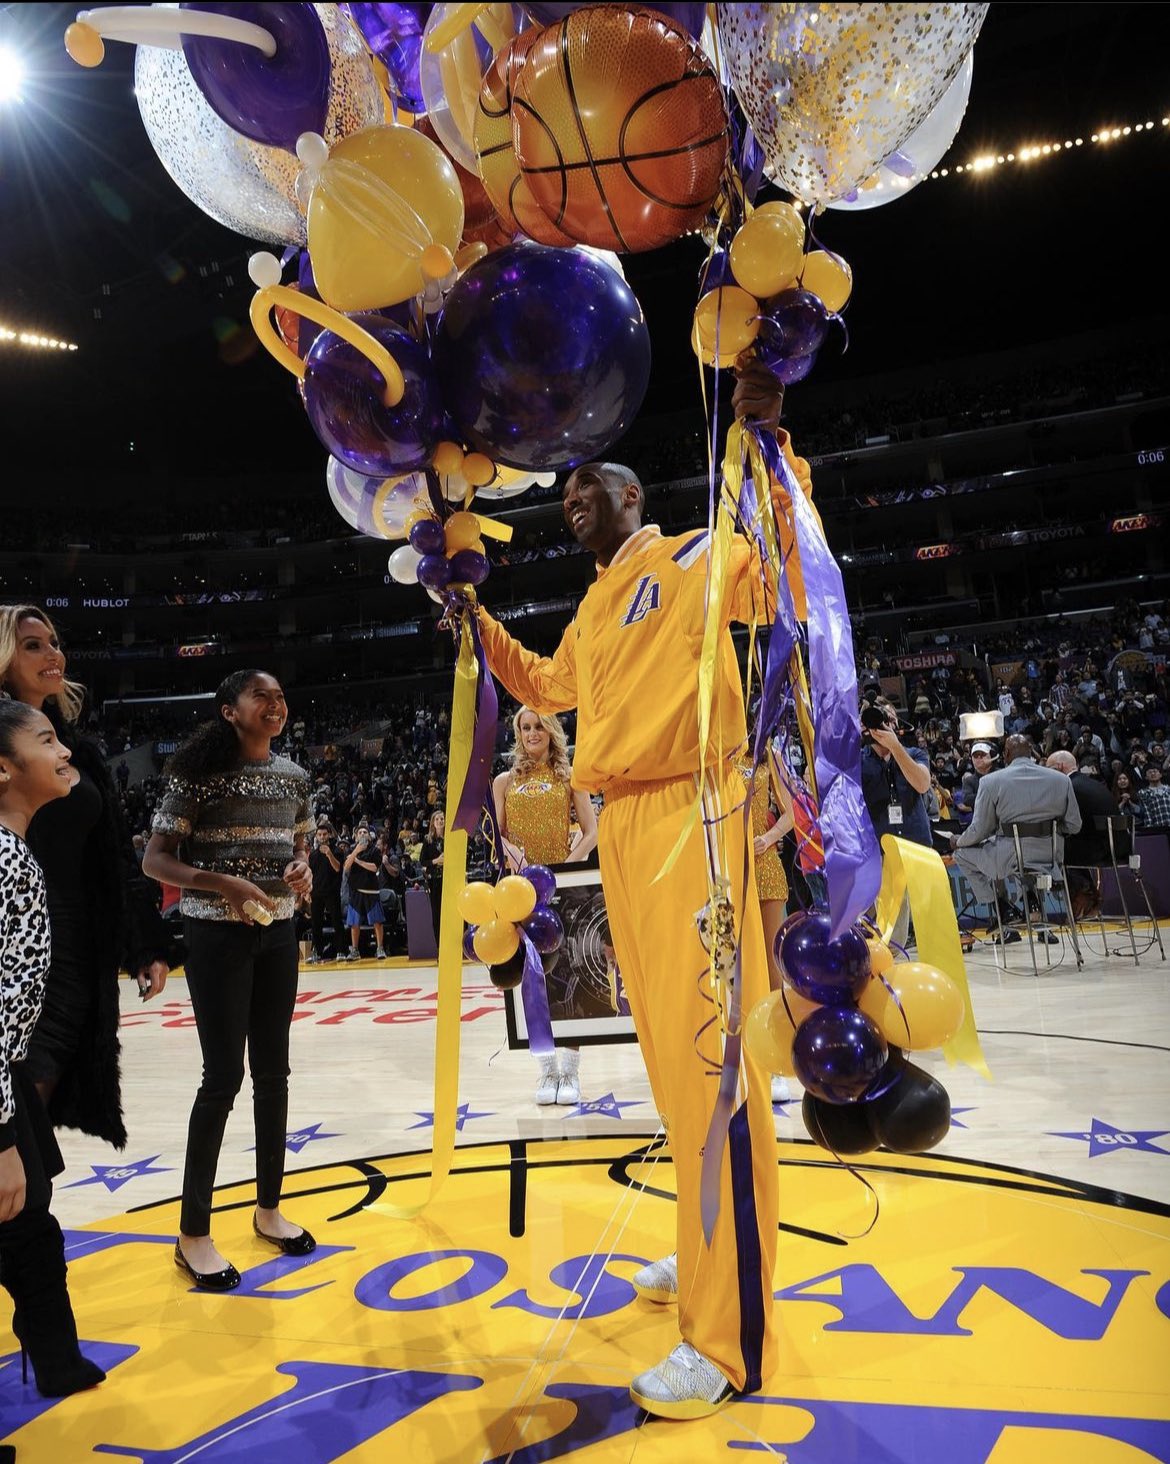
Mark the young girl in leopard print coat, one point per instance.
(34, 770)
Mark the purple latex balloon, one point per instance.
(469, 567)
(434, 571)
(688, 16)
(792, 324)
(394, 34)
(343, 399)
(832, 972)
(427, 537)
(543, 357)
(271, 99)
(545, 930)
(837, 1053)
(542, 880)
(790, 372)
(469, 943)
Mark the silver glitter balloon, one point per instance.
(242, 184)
(832, 90)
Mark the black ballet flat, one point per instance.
(289, 1245)
(226, 1280)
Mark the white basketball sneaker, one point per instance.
(658, 1281)
(781, 1093)
(684, 1385)
(546, 1086)
(569, 1086)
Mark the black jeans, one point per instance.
(243, 984)
(327, 904)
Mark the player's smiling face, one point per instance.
(589, 504)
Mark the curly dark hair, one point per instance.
(213, 747)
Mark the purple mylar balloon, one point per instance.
(544, 929)
(469, 567)
(469, 943)
(832, 972)
(434, 571)
(427, 537)
(792, 324)
(271, 99)
(543, 357)
(394, 34)
(837, 1053)
(343, 399)
(542, 880)
(689, 16)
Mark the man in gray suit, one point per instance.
(1021, 792)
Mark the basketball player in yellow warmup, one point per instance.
(629, 663)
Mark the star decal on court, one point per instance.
(297, 1140)
(463, 1115)
(607, 1107)
(1103, 1138)
(954, 1117)
(114, 1176)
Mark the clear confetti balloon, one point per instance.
(376, 507)
(831, 91)
(243, 184)
(923, 149)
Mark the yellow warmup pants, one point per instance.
(725, 1292)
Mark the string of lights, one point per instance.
(1032, 152)
(33, 339)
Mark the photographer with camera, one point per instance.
(365, 903)
(894, 782)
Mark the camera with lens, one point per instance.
(872, 718)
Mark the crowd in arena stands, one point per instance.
(1096, 688)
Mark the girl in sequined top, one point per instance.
(533, 800)
(232, 832)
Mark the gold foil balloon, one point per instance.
(831, 91)
(243, 184)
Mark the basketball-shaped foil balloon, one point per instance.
(498, 167)
(620, 128)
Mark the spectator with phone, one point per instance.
(326, 899)
(365, 905)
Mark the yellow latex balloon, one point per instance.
(462, 531)
(448, 458)
(437, 262)
(419, 516)
(496, 942)
(881, 957)
(931, 1006)
(788, 214)
(477, 902)
(766, 254)
(828, 277)
(478, 469)
(515, 898)
(727, 318)
(84, 44)
(768, 1031)
(385, 196)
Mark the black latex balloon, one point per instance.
(509, 973)
(842, 1128)
(914, 1115)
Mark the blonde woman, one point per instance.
(533, 802)
(102, 913)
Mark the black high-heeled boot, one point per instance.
(34, 1276)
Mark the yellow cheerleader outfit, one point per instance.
(770, 881)
(536, 816)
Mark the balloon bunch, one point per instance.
(504, 918)
(441, 553)
(841, 1024)
(767, 293)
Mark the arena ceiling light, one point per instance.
(12, 73)
(13, 336)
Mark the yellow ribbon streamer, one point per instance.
(450, 934)
(913, 868)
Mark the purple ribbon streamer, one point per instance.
(534, 994)
(479, 768)
(853, 866)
